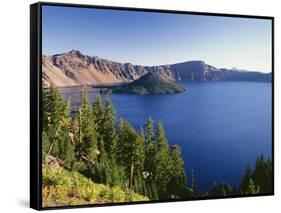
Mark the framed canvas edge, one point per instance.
(36, 102)
(35, 106)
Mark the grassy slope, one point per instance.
(61, 187)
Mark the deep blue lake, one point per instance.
(219, 125)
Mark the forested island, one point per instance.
(91, 156)
(148, 84)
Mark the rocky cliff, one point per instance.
(74, 68)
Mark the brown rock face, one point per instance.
(73, 68)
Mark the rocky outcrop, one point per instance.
(52, 162)
(74, 68)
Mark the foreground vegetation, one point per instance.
(64, 188)
(90, 140)
(91, 157)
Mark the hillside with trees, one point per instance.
(150, 83)
(90, 156)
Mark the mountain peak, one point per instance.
(197, 61)
(75, 53)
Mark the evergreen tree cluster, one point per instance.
(89, 139)
(258, 181)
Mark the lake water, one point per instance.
(219, 125)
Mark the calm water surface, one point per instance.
(219, 125)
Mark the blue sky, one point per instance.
(156, 38)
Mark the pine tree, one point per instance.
(262, 174)
(154, 192)
(53, 107)
(136, 185)
(149, 130)
(98, 119)
(139, 165)
(65, 148)
(103, 163)
(74, 129)
(246, 180)
(109, 173)
(149, 145)
(162, 172)
(120, 143)
(118, 176)
(140, 148)
(108, 129)
(253, 180)
(130, 147)
(253, 188)
(101, 171)
(45, 106)
(87, 147)
(55, 118)
(268, 187)
(177, 183)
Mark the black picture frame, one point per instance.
(36, 100)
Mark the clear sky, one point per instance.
(147, 38)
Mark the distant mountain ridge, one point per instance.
(74, 68)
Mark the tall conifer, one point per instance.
(149, 145)
(178, 178)
(108, 129)
(88, 150)
(162, 172)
